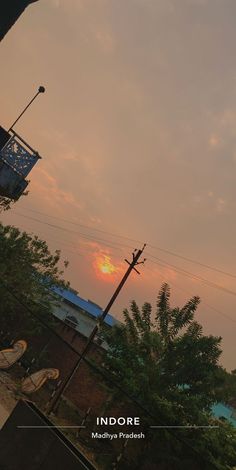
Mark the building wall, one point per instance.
(87, 388)
(86, 322)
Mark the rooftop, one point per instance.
(86, 305)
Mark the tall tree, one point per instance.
(163, 359)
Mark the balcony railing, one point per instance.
(19, 155)
(17, 158)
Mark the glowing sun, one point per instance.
(105, 266)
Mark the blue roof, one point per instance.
(226, 411)
(86, 305)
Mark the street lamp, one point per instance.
(41, 89)
(17, 158)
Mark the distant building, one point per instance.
(10, 11)
(80, 314)
(221, 410)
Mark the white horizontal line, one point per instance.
(50, 427)
(185, 427)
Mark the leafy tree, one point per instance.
(5, 203)
(165, 361)
(28, 271)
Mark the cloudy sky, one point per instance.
(137, 130)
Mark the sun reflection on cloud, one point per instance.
(104, 268)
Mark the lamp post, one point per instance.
(41, 89)
(17, 158)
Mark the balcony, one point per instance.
(17, 159)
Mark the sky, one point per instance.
(137, 130)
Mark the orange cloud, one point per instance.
(44, 186)
(105, 268)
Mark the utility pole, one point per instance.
(136, 255)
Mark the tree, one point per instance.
(28, 271)
(5, 203)
(166, 362)
(229, 387)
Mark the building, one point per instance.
(221, 410)
(10, 11)
(80, 314)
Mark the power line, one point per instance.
(193, 261)
(82, 235)
(105, 232)
(67, 247)
(69, 244)
(189, 293)
(169, 281)
(99, 240)
(191, 275)
(154, 247)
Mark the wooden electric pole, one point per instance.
(65, 384)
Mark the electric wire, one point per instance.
(203, 302)
(191, 275)
(177, 269)
(82, 235)
(170, 282)
(154, 247)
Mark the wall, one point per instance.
(86, 323)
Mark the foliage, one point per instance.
(5, 203)
(28, 271)
(229, 387)
(166, 362)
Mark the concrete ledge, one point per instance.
(36, 448)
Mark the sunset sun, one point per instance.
(105, 265)
(104, 268)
